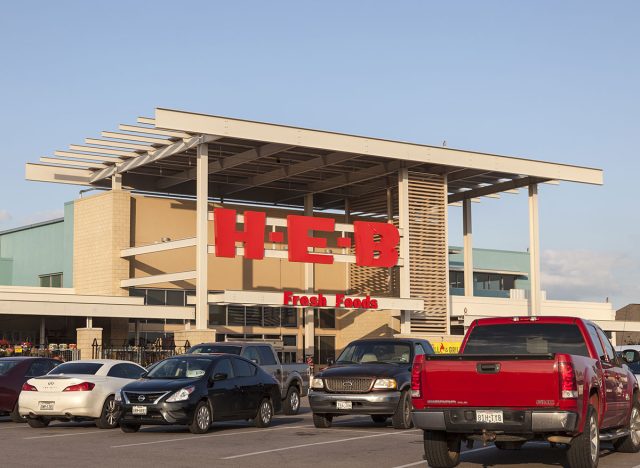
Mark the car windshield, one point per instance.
(180, 368)
(376, 352)
(6, 365)
(526, 338)
(204, 349)
(87, 368)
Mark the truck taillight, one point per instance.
(81, 387)
(416, 378)
(28, 388)
(567, 373)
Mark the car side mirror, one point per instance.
(144, 375)
(331, 362)
(630, 356)
(220, 376)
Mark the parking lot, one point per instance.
(290, 441)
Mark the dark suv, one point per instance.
(371, 377)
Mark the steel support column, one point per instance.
(42, 332)
(202, 214)
(534, 252)
(467, 230)
(309, 286)
(403, 224)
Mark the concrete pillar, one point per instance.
(202, 219)
(43, 336)
(403, 224)
(309, 283)
(468, 247)
(534, 251)
(84, 340)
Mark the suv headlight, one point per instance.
(181, 395)
(317, 383)
(117, 396)
(387, 384)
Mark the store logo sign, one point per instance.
(375, 243)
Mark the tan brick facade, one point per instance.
(85, 337)
(102, 228)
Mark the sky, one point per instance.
(547, 80)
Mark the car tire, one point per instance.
(631, 443)
(441, 450)
(201, 421)
(291, 404)
(129, 427)
(264, 415)
(584, 450)
(110, 415)
(322, 421)
(15, 415)
(38, 423)
(379, 418)
(509, 445)
(401, 419)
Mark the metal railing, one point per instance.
(63, 354)
(143, 355)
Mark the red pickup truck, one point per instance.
(555, 379)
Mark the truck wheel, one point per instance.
(631, 443)
(401, 419)
(584, 451)
(322, 421)
(38, 423)
(292, 401)
(441, 450)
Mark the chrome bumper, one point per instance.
(362, 403)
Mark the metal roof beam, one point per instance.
(153, 131)
(93, 149)
(90, 157)
(128, 136)
(495, 188)
(294, 169)
(157, 155)
(69, 162)
(117, 144)
(225, 163)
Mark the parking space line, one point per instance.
(62, 435)
(293, 447)
(205, 436)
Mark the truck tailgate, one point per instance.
(490, 381)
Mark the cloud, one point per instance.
(4, 216)
(590, 276)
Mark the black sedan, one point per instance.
(198, 389)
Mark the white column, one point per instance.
(468, 247)
(309, 286)
(403, 224)
(534, 251)
(202, 215)
(446, 249)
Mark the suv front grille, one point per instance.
(148, 398)
(349, 385)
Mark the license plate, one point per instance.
(344, 404)
(46, 405)
(491, 417)
(139, 410)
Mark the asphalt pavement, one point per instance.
(291, 441)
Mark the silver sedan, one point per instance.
(77, 390)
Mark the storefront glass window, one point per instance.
(289, 317)
(217, 314)
(253, 316)
(235, 315)
(271, 316)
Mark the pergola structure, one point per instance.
(211, 157)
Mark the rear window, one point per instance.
(526, 338)
(205, 349)
(6, 366)
(87, 368)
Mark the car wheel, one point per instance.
(15, 415)
(379, 418)
(110, 414)
(292, 401)
(38, 423)
(322, 421)
(201, 419)
(265, 413)
(631, 443)
(401, 419)
(441, 450)
(584, 451)
(129, 427)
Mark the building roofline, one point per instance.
(32, 226)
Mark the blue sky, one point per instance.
(555, 81)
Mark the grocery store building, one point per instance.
(210, 228)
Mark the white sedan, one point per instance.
(77, 390)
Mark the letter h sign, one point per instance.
(375, 243)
